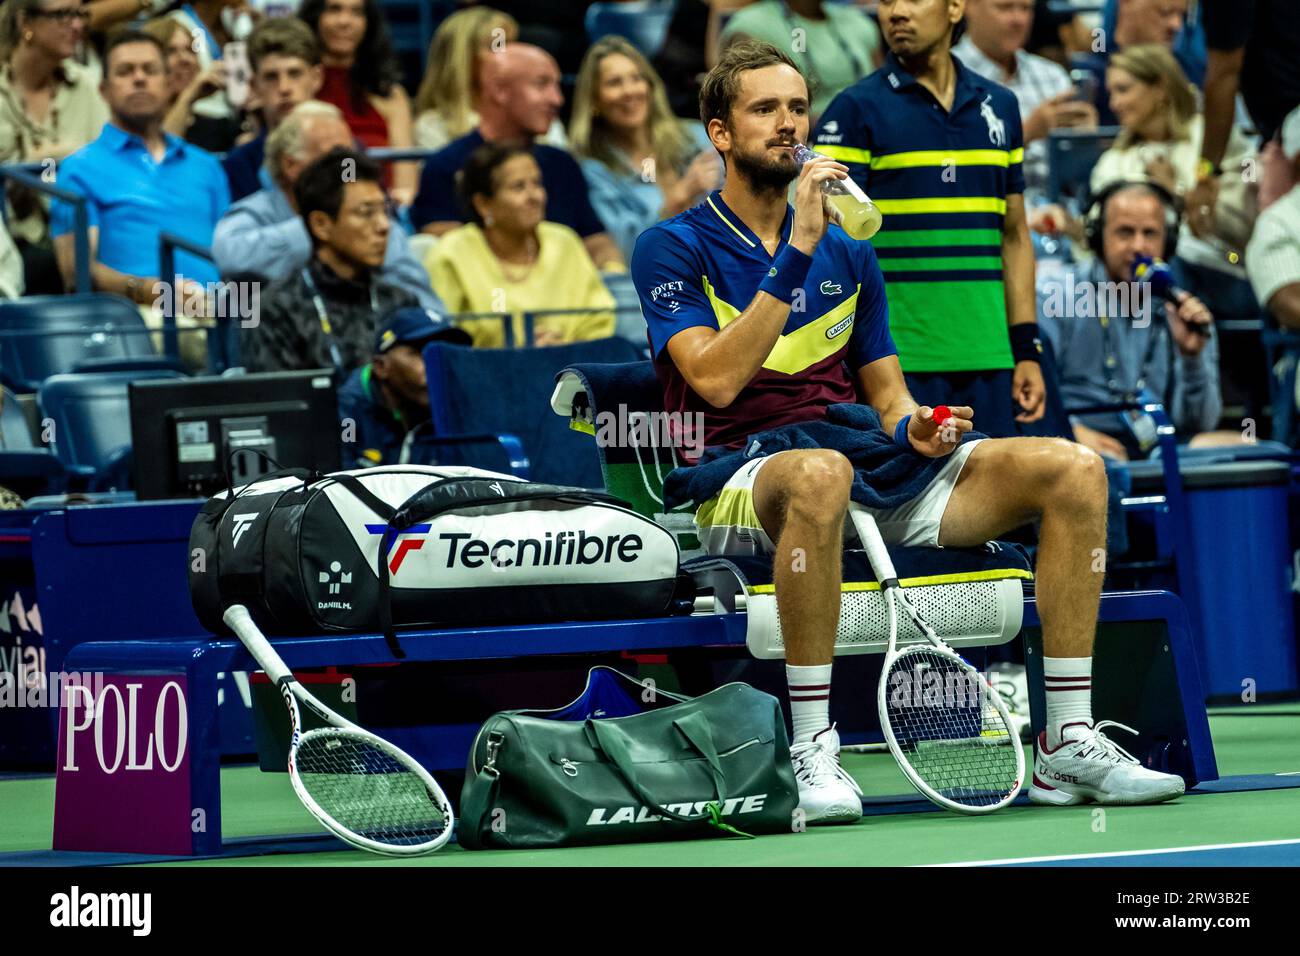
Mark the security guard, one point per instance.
(940, 150)
(386, 401)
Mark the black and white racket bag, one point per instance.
(459, 546)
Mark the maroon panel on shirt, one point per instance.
(770, 400)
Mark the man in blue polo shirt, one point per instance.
(520, 99)
(138, 182)
(768, 322)
(939, 149)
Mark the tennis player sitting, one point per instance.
(766, 320)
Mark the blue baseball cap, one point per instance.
(411, 325)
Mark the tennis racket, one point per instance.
(360, 787)
(947, 728)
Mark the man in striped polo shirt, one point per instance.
(940, 150)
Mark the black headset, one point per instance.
(1094, 223)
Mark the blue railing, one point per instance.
(168, 243)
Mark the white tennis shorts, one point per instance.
(728, 524)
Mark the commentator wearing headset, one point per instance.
(1162, 350)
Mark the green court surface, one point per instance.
(1256, 739)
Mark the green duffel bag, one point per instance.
(598, 771)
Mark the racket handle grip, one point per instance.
(250, 635)
(872, 543)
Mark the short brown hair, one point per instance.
(720, 87)
(283, 36)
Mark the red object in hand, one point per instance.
(941, 415)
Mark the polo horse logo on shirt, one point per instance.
(997, 128)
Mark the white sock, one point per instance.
(1069, 694)
(810, 700)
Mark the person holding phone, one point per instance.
(187, 84)
(994, 47)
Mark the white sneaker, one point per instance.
(826, 793)
(1089, 766)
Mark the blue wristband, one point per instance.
(788, 272)
(900, 432)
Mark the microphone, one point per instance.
(1161, 278)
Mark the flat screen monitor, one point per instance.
(187, 432)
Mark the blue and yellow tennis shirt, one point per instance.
(703, 267)
(941, 180)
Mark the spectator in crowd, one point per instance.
(1252, 49)
(642, 164)
(364, 79)
(1169, 352)
(1273, 256)
(1154, 23)
(520, 99)
(138, 182)
(187, 85)
(1160, 139)
(1136, 22)
(49, 107)
(285, 61)
(211, 24)
(955, 248)
(446, 106)
(387, 399)
(1160, 130)
(994, 47)
(264, 235)
(324, 315)
(835, 44)
(508, 260)
(11, 266)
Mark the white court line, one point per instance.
(1118, 853)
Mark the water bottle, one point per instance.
(859, 216)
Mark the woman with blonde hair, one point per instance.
(446, 104)
(1160, 139)
(188, 83)
(642, 164)
(1160, 129)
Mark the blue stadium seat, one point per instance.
(1071, 154)
(25, 467)
(91, 418)
(495, 391)
(643, 22)
(46, 335)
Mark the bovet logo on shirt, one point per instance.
(839, 327)
(668, 290)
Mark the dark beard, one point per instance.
(763, 175)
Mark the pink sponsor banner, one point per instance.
(122, 782)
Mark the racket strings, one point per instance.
(949, 729)
(368, 791)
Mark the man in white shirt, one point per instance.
(994, 47)
(1273, 255)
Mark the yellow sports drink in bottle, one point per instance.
(859, 216)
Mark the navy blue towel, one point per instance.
(886, 475)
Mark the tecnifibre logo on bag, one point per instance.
(564, 548)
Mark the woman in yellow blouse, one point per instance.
(507, 259)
